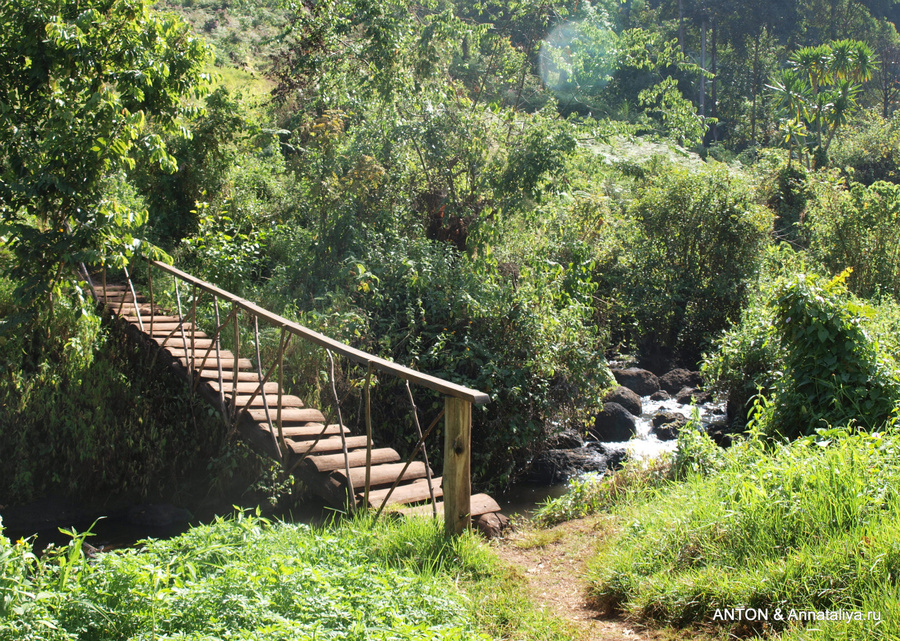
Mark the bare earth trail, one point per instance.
(554, 561)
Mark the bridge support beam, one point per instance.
(457, 464)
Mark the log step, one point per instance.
(411, 493)
(356, 458)
(381, 474)
(289, 415)
(164, 328)
(478, 504)
(157, 318)
(325, 445)
(309, 431)
(246, 387)
(287, 400)
(212, 376)
(177, 341)
(227, 363)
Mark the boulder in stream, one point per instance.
(557, 466)
(626, 398)
(613, 423)
(693, 396)
(640, 381)
(666, 425)
(676, 379)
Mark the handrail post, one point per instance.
(457, 464)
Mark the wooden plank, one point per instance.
(246, 387)
(176, 341)
(308, 432)
(157, 318)
(163, 328)
(212, 376)
(288, 415)
(411, 493)
(287, 400)
(356, 458)
(457, 464)
(325, 445)
(381, 474)
(481, 504)
(227, 363)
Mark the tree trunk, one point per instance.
(715, 100)
(754, 89)
(703, 67)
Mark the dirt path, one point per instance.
(554, 562)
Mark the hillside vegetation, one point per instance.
(505, 195)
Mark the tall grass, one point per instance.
(247, 578)
(811, 526)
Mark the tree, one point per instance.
(818, 91)
(86, 88)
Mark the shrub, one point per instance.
(834, 374)
(858, 228)
(525, 341)
(868, 151)
(699, 245)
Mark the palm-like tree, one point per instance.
(818, 91)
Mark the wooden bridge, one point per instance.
(345, 469)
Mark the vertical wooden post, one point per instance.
(457, 464)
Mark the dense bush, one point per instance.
(868, 151)
(858, 228)
(804, 346)
(699, 244)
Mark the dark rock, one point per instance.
(491, 524)
(666, 425)
(613, 455)
(663, 417)
(673, 381)
(626, 398)
(566, 440)
(661, 395)
(640, 381)
(613, 423)
(722, 433)
(667, 431)
(557, 466)
(692, 396)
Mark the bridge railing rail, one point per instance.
(198, 354)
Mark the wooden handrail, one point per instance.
(432, 382)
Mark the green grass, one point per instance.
(810, 526)
(246, 578)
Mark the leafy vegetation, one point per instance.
(809, 526)
(503, 194)
(250, 579)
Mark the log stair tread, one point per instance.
(415, 492)
(384, 474)
(307, 431)
(325, 445)
(356, 459)
(479, 504)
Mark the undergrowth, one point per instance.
(810, 526)
(248, 578)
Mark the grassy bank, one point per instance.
(797, 529)
(247, 578)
